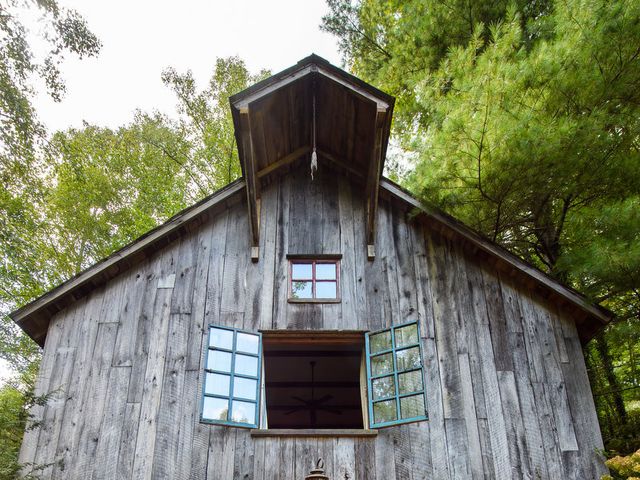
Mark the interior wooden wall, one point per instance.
(508, 394)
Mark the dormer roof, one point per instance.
(312, 105)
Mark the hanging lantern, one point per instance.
(318, 472)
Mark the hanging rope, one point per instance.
(314, 155)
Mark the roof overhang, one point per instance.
(589, 317)
(353, 120)
(34, 318)
(312, 106)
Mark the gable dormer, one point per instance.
(312, 106)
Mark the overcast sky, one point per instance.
(142, 37)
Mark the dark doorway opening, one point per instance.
(313, 380)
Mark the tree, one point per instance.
(22, 139)
(97, 189)
(206, 121)
(524, 124)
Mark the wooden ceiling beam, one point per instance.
(284, 161)
(339, 163)
(253, 186)
(373, 182)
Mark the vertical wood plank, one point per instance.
(518, 448)
(165, 458)
(471, 423)
(83, 458)
(529, 411)
(456, 448)
(435, 409)
(366, 455)
(128, 439)
(152, 387)
(47, 365)
(344, 458)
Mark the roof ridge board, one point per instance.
(306, 64)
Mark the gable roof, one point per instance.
(34, 317)
(367, 117)
(316, 107)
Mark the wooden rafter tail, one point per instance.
(253, 186)
(373, 182)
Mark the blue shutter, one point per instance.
(231, 383)
(395, 377)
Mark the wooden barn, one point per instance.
(313, 309)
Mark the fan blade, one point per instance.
(294, 410)
(300, 400)
(326, 398)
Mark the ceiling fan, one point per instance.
(312, 405)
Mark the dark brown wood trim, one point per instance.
(319, 256)
(284, 161)
(289, 432)
(314, 300)
(251, 176)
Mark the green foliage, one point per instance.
(93, 190)
(522, 120)
(22, 140)
(16, 403)
(624, 467)
(98, 189)
(12, 424)
(206, 122)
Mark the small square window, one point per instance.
(313, 280)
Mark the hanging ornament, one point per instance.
(314, 155)
(318, 472)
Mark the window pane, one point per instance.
(215, 408)
(301, 290)
(301, 271)
(410, 381)
(219, 361)
(246, 365)
(380, 341)
(381, 364)
(326, 290)
(247, 343)
(383, 387)
(412, 406)
(243, 412)
(408, 358)
(217, 384)
(325, 271)
(384, 411)
(221, 338)
(245, 388)
(406, 335)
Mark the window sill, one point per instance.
(314, 300)
(313, 432)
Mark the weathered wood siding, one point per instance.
(507, 390)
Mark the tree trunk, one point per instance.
(602, 346)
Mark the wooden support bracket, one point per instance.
(373, 183)
(252, 183)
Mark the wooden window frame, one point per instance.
(395, 373)
(329, 337)
(232, 374)
(326, 260)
